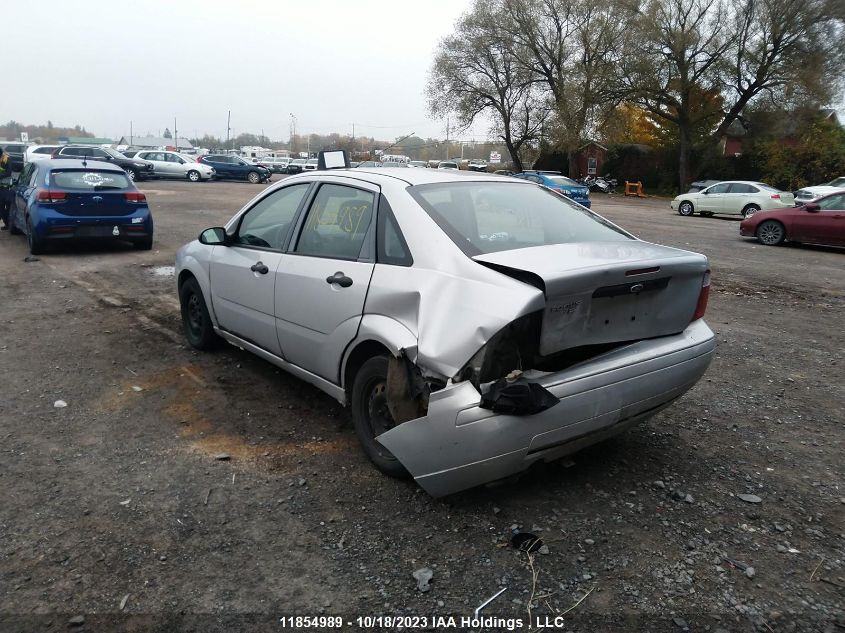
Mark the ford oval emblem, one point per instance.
(637, 288)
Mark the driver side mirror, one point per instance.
(811, 207)
(215, 236)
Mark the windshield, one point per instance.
(113, 152)
(563, 180)
(313, 161)
(501, 216)
(836, 182)
(190, 159)
(299, 161)
(89, 179)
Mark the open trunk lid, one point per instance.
(605, 292)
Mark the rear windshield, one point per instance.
(501, 216)
(88, 179)
(563, 180)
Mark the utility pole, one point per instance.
(228, 127)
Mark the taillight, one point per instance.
(135, 196)
(703, 296)
(775, 196)
(45, 195)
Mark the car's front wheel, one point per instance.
(686, 209)
(253, 177)
(371, 415)
(195, 317)
(194, 175)
(771, 233)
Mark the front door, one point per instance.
(243, 273)
(826, 226)
(323, 279)
(712, 199)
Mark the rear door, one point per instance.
(738, 196)
(243, 273)
(323, 279)
(158, 161)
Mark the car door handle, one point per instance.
(259, 267)
(340, 279)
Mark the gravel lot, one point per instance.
(114, 508)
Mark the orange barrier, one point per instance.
(634, 189)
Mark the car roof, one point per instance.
(385, 175)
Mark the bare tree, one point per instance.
(475, 73)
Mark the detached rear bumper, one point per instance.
(459, 445)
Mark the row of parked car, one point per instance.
(813, 215)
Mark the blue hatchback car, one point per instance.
(60, 200)
(558, 183)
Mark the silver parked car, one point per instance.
(175, 165)
(474, 324)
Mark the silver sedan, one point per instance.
(175, 165)
(473, 324)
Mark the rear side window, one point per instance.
(499, 216)
(337, 223)
(75, 151)
(89, 179)
(739, 187)
(390, 243)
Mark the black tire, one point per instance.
(771, 233)
(133, 174)
(145, 244)
(253, 177)
(686, 208)
(36, 244)
(195, 317)
(371, 417)
(749, 207)
(194, 176)
(13, 229)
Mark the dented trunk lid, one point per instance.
(605, 292)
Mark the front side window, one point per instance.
(833, 203)
(720, 188)
(491, 217)
(268, 223)
(337, 223)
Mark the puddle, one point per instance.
(163, 271)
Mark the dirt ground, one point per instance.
(115, 511)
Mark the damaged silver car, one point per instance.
(474, 324)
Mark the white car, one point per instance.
(802, 196)
(447, 164)
(310, 164)
(175, 165)
(276, 164)
(732, 197)
(38, 152)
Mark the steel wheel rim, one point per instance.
(771, 233)
(378, 413)
(195, 316)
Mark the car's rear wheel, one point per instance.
(194, 175)
(36, 244)
(749, 209)
(771, 233)
(371, 415)
(195, 317)
(253, 177)
(686, 209)
(133, 175)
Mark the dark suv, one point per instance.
(235, 167)
(15, 152)
(134, 168)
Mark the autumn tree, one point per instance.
(476, 74)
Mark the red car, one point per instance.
(821, 221)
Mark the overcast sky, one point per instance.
(102, 64)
